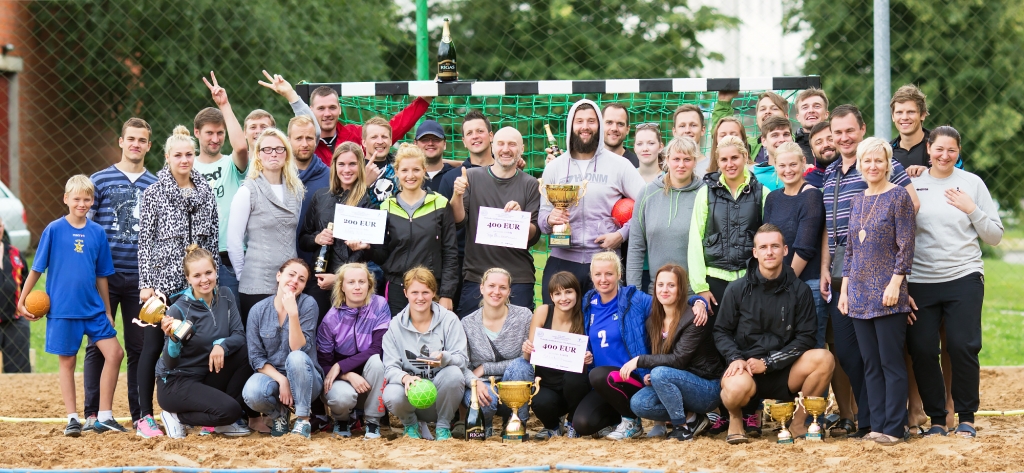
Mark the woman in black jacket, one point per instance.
(685, 365)
(420, 232)
(348, 187)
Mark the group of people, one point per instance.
(742, 276)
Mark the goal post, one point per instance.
(529, 105)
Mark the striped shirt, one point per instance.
(116, 209)
(837, 212)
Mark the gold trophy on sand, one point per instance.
(781, 412)
(562, 196)
(515, 394)
(815, 406)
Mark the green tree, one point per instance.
(113, 59)
(575, 39)
(964, 55)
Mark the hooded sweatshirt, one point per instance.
(349, 336)
(609, 178)
(660, 228)
(403, 344)
(216, 324)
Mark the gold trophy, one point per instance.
(815, 406)
(781, 412)
(515, 394)
(153, 312)
(562, 196)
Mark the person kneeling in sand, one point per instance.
(765, 330)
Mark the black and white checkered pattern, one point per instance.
(546, 87)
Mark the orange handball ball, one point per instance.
(37, 303)
(623, 211)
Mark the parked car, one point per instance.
(15, 219)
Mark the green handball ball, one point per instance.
(422, 394)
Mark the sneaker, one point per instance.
(233, 430)
(90, 424)
(604, 432)
(413, 432)
(569, 431)
(341, 429)
(173, 426)
(372, 431)
(627, 429)
(206, 431)
(699, 425)
(320, 423)
(459, 430)
(546, 434)
(681, 433)
(425, 431)
(752, 425)
(147, 428)
(443, 434)
(301, 427)
(109, 425)
(279, 426)
(659, 430)
(73, 429)
(719, 423)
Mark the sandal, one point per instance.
(966, 431)
(935, 430)
(917, 430)
(736, 439)
(886, 440)
(842, 428)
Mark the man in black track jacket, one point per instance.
(765, 330)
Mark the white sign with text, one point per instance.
(497, 227)
(359, 224)
(559, 350)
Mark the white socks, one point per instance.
(73, 415)
(104, 416)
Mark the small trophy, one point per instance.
(781, 412)
(515, 394)
(153, 312)
(563, 196)
(815, 406)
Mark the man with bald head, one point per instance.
(501, 185)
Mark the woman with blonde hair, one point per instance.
(348, 186)
(726, 126)
(176, 211)
(349, 348)
(264, 216)
(420, 232)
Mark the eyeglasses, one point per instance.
(277, 150)
(644, 126)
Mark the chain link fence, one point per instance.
(88, 65)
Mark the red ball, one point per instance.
(622, 211)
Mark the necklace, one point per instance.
(862, 233)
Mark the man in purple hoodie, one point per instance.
(609, 178)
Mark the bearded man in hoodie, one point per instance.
(609, 178)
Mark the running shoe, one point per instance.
(699, 424)
(301, 427)
(752, 425)
(627, 429)
(413, 432)
(147, 428)
(173, 426)
(73, 429)
(90, 424)
(206, 431)
(659, 430)
(233, 430)
(372, 431)
(279, 426)
(109, 425)
(546, 434)
(341, 429)
(569, 431)
(443, 434)
(719, 423)
(681, 433)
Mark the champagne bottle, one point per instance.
(551, 141)
(475, 419)
(321, 261)
(446, 70)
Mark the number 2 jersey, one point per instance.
(605, 332)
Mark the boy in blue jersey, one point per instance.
(76, 252)
(116, 208)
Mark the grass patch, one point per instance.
(1002, 316)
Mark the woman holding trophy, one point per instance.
(176, 211)
(204, 362)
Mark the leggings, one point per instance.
(152, 346)
(608, 403)
(562, 399)
(212, 400)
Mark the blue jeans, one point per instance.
(262, 393)
(821, 308)
(674, 392)
(522, 295)
(226, 278)
(518, 370)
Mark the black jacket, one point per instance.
(321, 212)
(220, 323)
(758, 318)
(732, 222)
(804, 140)
(693, 350)
(427, 238)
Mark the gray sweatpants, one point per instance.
(342, 397)
(450, 388)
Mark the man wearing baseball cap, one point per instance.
(430, 139)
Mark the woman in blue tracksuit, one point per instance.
(614, 319)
